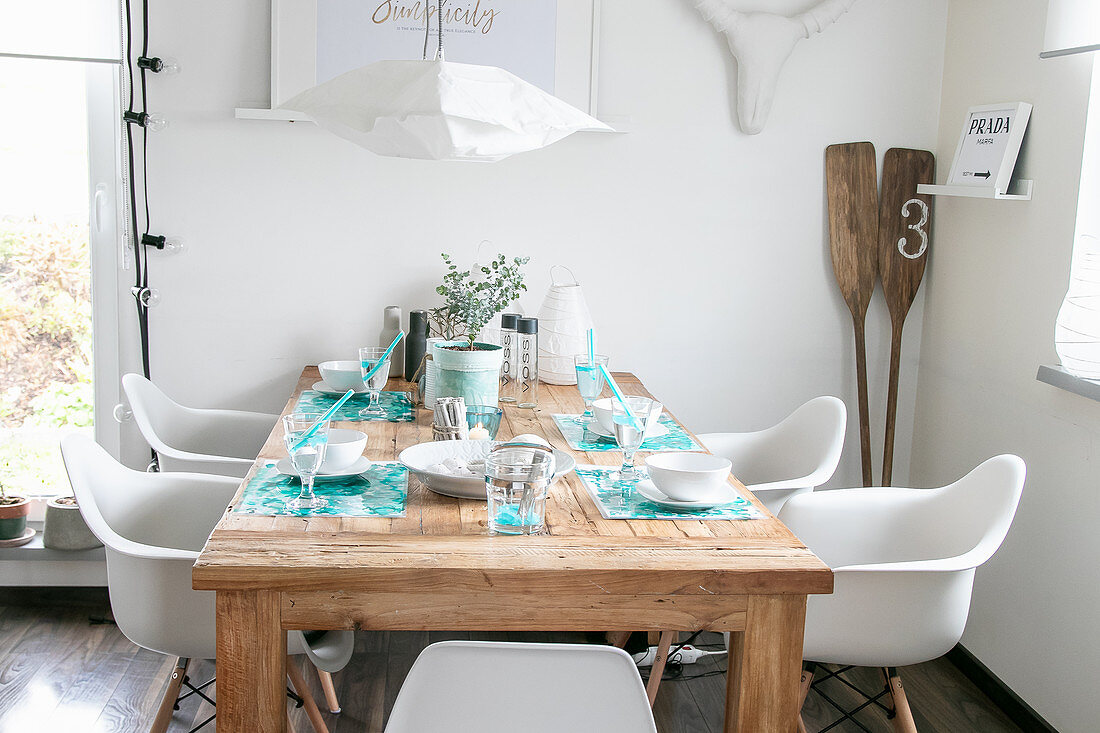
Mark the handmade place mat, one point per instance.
(616, 503)
(397, 406)
(380, 491)
(585, 440)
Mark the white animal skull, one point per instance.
(761, 43)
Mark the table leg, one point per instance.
(251, 663)
(764, 664)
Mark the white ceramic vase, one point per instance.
(564, 321)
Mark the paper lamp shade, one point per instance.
(440, 110)
(564, 321)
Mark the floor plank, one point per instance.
(67, 674)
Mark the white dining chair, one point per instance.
(499, 687)
(792, 457)
(153, 526)
(220, 442)
(903, 564)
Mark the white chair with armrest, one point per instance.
(153, 526)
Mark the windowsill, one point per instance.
(1056, 376)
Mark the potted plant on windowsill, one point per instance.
(468, 368)
(13, 515)
(65, 528)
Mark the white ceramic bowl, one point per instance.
(419, 458)
(687, 476)
(345, 447)
(343, 375)
(604, 412)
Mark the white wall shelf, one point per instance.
(621, 125)
(33, 564)
(1019, 191)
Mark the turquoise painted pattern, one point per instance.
(397, 406)
(615, 503)
(585, 440)
(380, 491)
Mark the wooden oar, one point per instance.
(852, 194)
(904, 225)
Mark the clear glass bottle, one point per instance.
(508, 363)
(527, 362)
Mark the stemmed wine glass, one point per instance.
(589, 383)
(368, 358)
(306, 454)
(630, 431)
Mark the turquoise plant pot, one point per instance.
(472, 375)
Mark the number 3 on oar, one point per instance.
(901, 261)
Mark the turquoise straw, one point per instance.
(619, 396)
(386, 355)
(591, 347)
(324, 418)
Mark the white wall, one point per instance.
(703, 251)
(996, 277)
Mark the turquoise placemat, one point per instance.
(398, 406)
(616, 503)
(380, 491)
(585, 440)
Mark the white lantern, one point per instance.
(564, 321)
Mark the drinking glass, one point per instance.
(517, 481)
(306, 455)
(368, 357)
(629, 433)
(589, 383)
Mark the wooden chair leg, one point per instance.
(330, 691)
(903, 716)
(808, 669)
(618, 638)
(168, 702)
(312, 712)
(658, 667)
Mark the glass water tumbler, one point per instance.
(508, 363)
(527, 376)
(517, 482)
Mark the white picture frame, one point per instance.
(294, 53)
(989, 145)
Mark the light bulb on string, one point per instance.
(157, 65)
(148, 297)
(168, 245)
(153, 121)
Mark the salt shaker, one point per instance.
(508, 363)
(391, 325)
(527, 362)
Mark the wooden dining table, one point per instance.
(438, 568)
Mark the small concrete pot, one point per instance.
(13, 518)
(65, 529)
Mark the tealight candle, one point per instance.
(479, 433)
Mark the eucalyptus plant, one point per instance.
(474, 297)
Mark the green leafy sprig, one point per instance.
(472, 299)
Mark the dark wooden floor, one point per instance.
(61, 672)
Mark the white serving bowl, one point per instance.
(421, 457)
(605, 414)
(687, 476)
(345, 447)
(343, 375)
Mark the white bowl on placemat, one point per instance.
(344, 448)
(419, 459)
(687, 476)
(342, 375)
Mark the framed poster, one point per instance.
(990, 142)
(552, 44)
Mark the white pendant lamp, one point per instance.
(440, 110)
